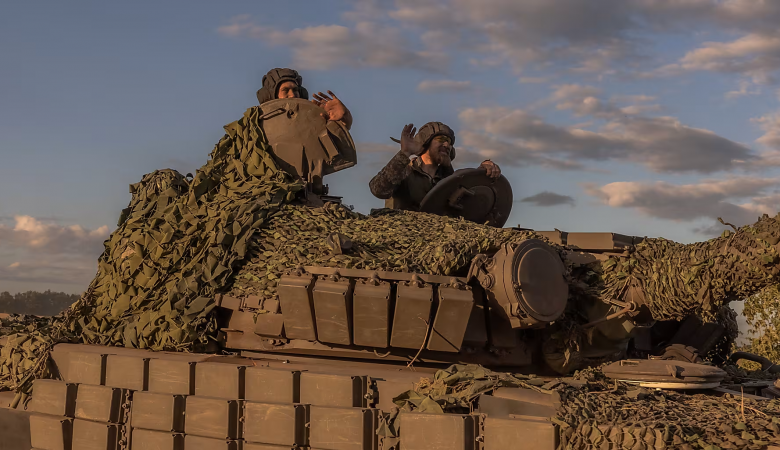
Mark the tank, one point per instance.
(335, 356)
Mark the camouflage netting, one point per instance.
(386, 240)
(180, 241)
(232, 228)
(594, 412)
(678, 279)
(683, 279)
(176, 244)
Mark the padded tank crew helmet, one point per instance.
(429, 131)
(274, 78)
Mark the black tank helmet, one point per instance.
(432, 129)
(273, 79)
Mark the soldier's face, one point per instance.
(289, 89)
(439, 151)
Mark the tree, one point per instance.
(36, 303)
(761, 313)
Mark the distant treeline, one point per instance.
(37, 303)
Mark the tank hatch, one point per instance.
(304, 143)
(472, 195)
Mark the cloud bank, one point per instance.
(708, 199)
(602, 38)
(37, 251)
(547, 198)
(660, 144)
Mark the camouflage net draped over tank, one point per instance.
(180, 241)
(594, 412)
(389, 240)
(229, 229)
(683, 279)
(177, 243)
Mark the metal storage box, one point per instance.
(172, 377)
(342, 428)
(268, 385)
(213, 417)
(156, 440)
(53, 397)
(127, 372)
(220, 380)
(438, 432)
(86, 368)
(276, 424)
(51, 432)
(102, 403)
(88, 435)
(324, 389)
(161, 412)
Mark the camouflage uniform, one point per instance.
(404, 184)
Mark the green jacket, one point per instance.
(403, 183)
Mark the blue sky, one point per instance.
(646, 117)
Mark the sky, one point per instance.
(642, 117)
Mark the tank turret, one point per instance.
(244, 308)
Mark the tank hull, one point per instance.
(131, 399)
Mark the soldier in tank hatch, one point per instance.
(287, 83)
(404, 183)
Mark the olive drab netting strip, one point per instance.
(177, 243)
(683, 279)
(594, 412)
(160, 271)
(387, 240)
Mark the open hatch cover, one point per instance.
(472, 195)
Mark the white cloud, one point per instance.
(662, 144)
(687, 202)
(633, 110)
(601, 38)
(534, 32)
(770, 123)
(582, 101)
(476, 146)
(59, 273)
(365, 44)
(744, 89)
(40, 253)
(444, 86)
(581, 35)
(754, 55)
(48, 237)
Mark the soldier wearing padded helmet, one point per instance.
(403, 183)
(287, 83)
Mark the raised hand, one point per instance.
(320, 99)
(409, 145)
(334, 108)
